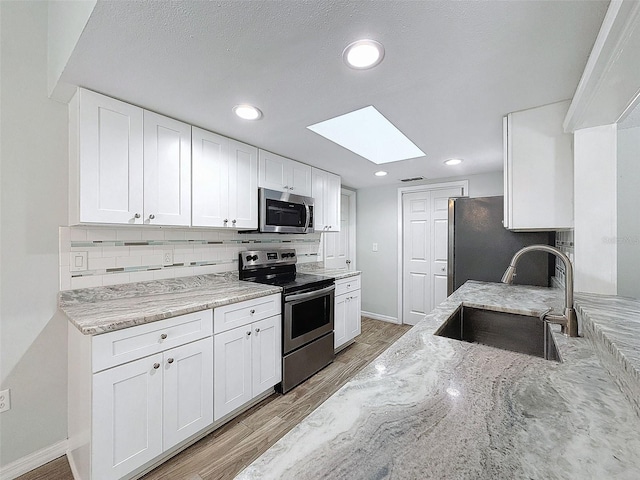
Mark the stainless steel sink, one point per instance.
(508, 331)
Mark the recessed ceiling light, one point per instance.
(369, 134)
(381, 173)
(247, 112)
(453, 161)
(363, 54)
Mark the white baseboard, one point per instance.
(33, 460)
(377, 316)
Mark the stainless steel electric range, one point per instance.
(307, 311)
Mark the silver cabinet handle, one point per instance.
(137, 215)
(152, 216)
(348, 262)
(170, 360)
(156, 366)
(257, 330)
(225, 221)
(286, 187)
(248, 333)
(290, 188)
(233, 221)
(252, 311)
(163, 336)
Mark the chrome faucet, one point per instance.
(568, 320)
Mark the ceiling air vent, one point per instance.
(413, 179)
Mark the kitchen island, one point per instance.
(433, 407)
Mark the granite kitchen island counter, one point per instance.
(104, 309)
(433, 407)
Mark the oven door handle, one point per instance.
(304, 296)
(307, 215)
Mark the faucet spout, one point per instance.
(568, 320)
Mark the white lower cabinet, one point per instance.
(136, 393)
(347, 311)
(248, 362)
(145, 407)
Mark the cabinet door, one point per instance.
(126, 417)
(319, 193)
(167, 171)
(340, 320)
(210, 173)
(266, 354)
(332, 202)
(273, 171)
(243, 185)
(111, 160)
(299, 178)
(232, 370)
(353, 319)
(188, 391)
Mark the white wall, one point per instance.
(595, 224)
(66, 22)
(33, 202)
(377, 222)
(628, 218)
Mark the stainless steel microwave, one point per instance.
(283, 212)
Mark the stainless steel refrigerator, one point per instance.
(480, 248)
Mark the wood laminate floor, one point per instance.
(225, 452)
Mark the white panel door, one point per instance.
(167, 171)
(439, 242)
(188, 391)
(243, 185)
(424, 251)
(266, 354)
(340, 320)
(126, 417)
(416, 262)
(353, 316)
(338, 246)
(111, 160)
(232, 370)
(210, 186)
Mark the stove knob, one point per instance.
(248, 257)
(254, 258)
(292, 254)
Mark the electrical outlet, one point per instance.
(5, 400)
(168, 257)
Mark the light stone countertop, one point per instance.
(105, 309)
(433, 407)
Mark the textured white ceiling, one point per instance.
(450, 72)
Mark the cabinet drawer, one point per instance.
(242, 313)
(128, 344)
(346, 285)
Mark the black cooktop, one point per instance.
(294, 282)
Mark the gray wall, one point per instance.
(628, 202)
(33, 203)
(377, 222)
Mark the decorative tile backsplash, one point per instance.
(564, 243)
(116, 255)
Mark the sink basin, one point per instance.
(508, 331)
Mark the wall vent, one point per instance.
(413, 179)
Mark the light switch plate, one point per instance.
(78, 261)
(375, 247)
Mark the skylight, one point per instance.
(369, 134)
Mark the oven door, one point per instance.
(307, 316)
(282, 212)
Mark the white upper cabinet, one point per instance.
(538, 169)
(127, 165)
(326, 194)
(225, 177)
(167, 171)
(106, 160)
(283, 174)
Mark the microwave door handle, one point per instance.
(307, 215)
(308, 295)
